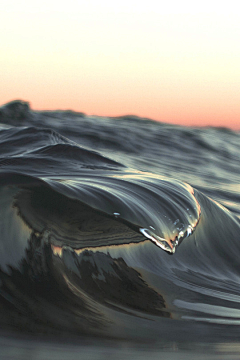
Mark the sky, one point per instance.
(173, 61)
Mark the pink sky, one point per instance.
(170, 62)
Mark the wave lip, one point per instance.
(162, 210)
(167, 245)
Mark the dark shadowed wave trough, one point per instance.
(121, 227)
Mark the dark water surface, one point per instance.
(118, 228)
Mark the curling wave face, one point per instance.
(92, 246)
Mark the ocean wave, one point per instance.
(91, 245)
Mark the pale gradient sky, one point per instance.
(173, 61)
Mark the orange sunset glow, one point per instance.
(176, 62)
